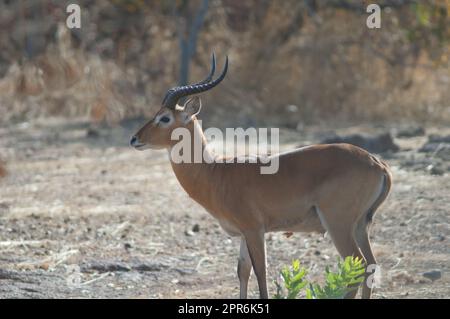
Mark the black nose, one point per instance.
(133, 140)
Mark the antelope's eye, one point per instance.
(164, 119)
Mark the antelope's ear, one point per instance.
(192, 106)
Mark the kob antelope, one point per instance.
(334, 188)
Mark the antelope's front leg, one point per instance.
(243, 269)
(256, 246)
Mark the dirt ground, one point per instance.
(83, 215)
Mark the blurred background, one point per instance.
(291, 62)
(82, 214)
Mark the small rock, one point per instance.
(189, 233)
(435, 169)
(411, 132)
(92, 133)
(150, 267)
(292, 108)
(196, 228)
(439, 150)
(44, 266)
(317, 253)
(127, 246)
(105, 266)
(380, 143)
(433, 274)
(434, 138)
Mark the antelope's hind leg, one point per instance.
(341, 234)
(244, 269)
(362, 239)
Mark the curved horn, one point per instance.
(211, 74)
(206, 80)
(174, 94)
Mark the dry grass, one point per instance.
(328, 67)
(68, 82)
(337, 69)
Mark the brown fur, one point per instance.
(329, 187)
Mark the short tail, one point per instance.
(387, 184)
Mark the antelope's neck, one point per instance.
(197, 178)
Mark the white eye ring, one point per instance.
(164, 119)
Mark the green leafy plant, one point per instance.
(347, 277)
(293, 279)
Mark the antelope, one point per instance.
(334, 188)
